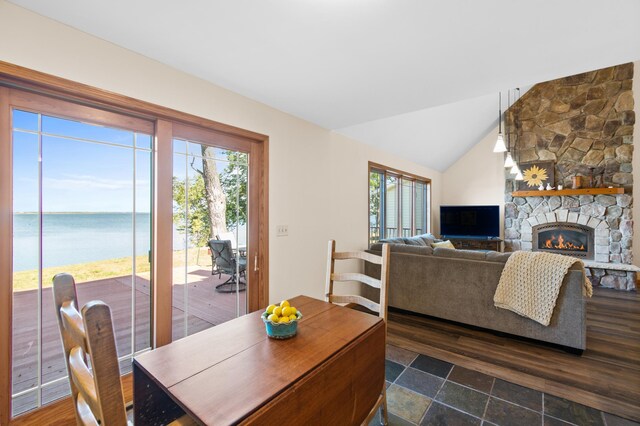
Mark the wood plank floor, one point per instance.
(606, 376)
(206, 308)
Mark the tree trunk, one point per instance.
(216, 200)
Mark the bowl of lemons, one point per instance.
(281, 320)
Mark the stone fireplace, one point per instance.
(564, 238)
(584, 124)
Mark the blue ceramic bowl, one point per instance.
(284, 330)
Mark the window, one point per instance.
(398, 204)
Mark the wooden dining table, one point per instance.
(331, 372)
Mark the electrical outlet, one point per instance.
(282, 230)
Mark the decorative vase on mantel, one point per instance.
(577, 182)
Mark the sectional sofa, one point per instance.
(458, 285)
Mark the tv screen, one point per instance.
(470, 221)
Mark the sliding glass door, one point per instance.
(210, 235)
(86, 188)
(82, 205)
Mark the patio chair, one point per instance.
(225, 236)
(357, 301)
(92, 359)
(231, 236)
(226, 263)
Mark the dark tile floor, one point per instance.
(426, 391)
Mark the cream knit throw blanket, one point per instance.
(530, 284)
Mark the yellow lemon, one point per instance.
(292, 317)
(270, 309)
(286, 311)
(284, 303)
(273, 318)
(277, 310)
(284, 319)
(293, 310)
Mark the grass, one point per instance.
(92, 271)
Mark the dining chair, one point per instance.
(92, 359)
(379, 307)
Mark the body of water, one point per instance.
(71, 238)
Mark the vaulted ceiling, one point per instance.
(416, 77)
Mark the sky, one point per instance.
(90, 168)
(79, 175)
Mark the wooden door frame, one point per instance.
(47, 86)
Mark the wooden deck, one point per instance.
(606, 376)
(206, 308)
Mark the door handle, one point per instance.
(255, 263)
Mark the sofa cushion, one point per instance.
(444, 244)
(393, 240)
(411, 242)
(428, 238)
(405, 248)
(458, 254)
(415, 241)
(494, 256)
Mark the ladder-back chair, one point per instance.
(379, 307)
(91, 356)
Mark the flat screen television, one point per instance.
(470, 221)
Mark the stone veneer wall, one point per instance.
(581, 122)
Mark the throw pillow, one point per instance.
(445, 244)
(412, 242)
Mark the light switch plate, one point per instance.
(282, 230)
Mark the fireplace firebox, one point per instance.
(564, 238)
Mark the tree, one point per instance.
(215, 196)
(375, 179)
(374, 198)
(191, 211)
(210, 202)
(234, 181)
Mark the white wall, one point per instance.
(477, 177)
(317, 177)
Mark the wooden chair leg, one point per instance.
(385, 418)
(380, 405)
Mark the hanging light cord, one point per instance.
(499, 112)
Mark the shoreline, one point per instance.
(102, 269)
(65, 213)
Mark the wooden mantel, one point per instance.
(585, 191)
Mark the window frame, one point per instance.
(401, 177)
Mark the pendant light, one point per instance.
(508, 162)
(500, 146)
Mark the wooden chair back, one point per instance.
(380, 307)
(382, 284)
(92, 360)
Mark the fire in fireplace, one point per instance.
(570, 239)
(563, 243)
